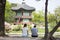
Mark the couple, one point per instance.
(33, 31)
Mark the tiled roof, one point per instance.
(23, 6)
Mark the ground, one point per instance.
(19, 37)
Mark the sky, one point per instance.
(40, 5)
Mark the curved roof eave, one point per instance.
(24, 7)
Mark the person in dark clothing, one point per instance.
(34, 31)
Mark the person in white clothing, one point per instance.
(25, 31)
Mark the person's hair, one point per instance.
(34, 26)
(25, 25)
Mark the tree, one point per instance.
(50, 35)
(51, 20)
(2, 13)
(57, 14)
(46, 22)
(9, 14)
(38, 17)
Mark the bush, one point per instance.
(29, 26)
(58, 30)
(52, 24)
(17, 28)
(7, 29)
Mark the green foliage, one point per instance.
(57, 14)
(13, 4)
(51, 18)
(52, 24)
(9, 14)
(17, 28)
(29, 26)
(41, 30)
(54, 18)
(38, 17)
(58, 30)
(7, 29)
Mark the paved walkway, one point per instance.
(21, 38)
(18, 37)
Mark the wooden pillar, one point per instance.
(22, 12)
(19, 19)
(29, 13)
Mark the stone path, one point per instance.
(21, 38)
(18, 38)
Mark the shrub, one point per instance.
(17, 28)
(58, 30)
(7, 29)
(29, 26)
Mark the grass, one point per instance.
(40, 30)
(15, 32)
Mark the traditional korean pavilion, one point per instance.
(23, 13)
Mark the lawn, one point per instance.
(40, 30)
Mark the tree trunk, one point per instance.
(2, 13)
(46, 22)
(50, 34)
(54, 30)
